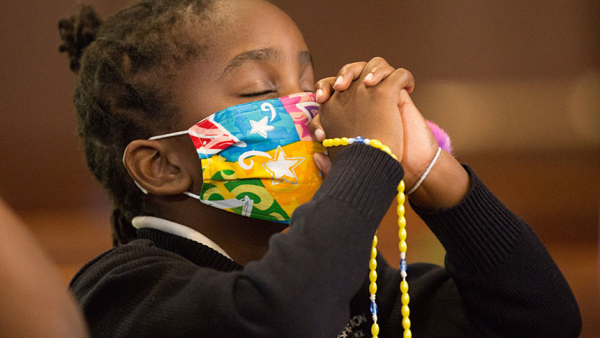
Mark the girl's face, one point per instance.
(255, 52)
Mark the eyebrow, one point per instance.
(262, 54)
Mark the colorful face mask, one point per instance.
(257, 158)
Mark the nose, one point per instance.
(292, 81)
(291, 88)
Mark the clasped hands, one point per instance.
(371, 99)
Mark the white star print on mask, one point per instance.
(261, 127)
(281, 167)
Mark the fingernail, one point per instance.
(369, 77)
(338, 81)
(319, 135)
(319, 93)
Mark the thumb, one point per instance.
(323, 162)
(316, 129)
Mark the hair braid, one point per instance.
(77, 33)
(123, 69)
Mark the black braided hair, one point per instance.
(124, 67)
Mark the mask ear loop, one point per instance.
(192, 195)
(134, 181)
(183, 132)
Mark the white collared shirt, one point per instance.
(176, 229)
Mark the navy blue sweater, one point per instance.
(498, 280)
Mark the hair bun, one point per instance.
(78, 32)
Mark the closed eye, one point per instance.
(264, 92)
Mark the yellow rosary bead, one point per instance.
(401, 198)
(375, 329)
(407, 334)
(375, 241)
(405, 311)
(373, 276)
(401, 222)
(386, 149)
(372, 264)
(400, 210)
(402, 246)
(405, 299)
(402, 234)
(404, 286)
(373, 252)
(336, 142)
(406, 323)
(344, 141)
(373, 289)
(394, 157)
(376, 144)
(327, 143)
(401, 186)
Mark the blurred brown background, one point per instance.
(515, 83)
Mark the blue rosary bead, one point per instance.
(359, 139)
(403, 265)
(374, 308)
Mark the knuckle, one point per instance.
(406, 72)
(387, 69)
(380, 60)
(357, 65)
(344, 69)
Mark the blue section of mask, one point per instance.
(251, 122)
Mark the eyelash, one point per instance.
(264, 92)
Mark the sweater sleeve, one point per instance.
(498, 274)
(301, 288)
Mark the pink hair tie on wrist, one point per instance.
(443, 141)
(441, 137)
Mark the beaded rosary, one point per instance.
(344, 141)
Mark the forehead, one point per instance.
(241, 26)
(252, 34)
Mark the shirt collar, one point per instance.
(176, 229)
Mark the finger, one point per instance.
(400, 79)
(324, 89)
(377, 74)
(316, 129)
(323, 162)
(347, 74)
(374, 63)
(403, 79)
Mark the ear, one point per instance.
(156, 168)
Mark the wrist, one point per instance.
(446, 185)
(426, 172)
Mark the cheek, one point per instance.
(191, 162)
(197, 103)
(196, 93)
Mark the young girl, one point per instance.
(199, 206)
